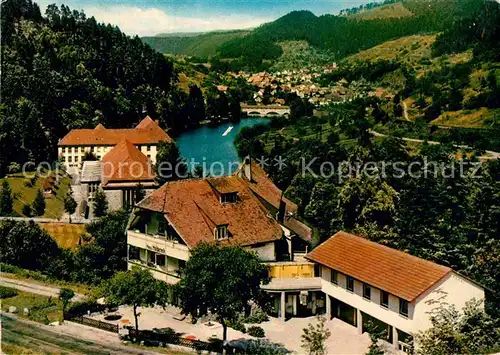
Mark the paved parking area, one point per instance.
(344, 339)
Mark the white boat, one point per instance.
(226, 132)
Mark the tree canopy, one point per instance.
(26, 245)
(100, 203)
(222, 281)
(135, 288)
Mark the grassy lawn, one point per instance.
(481, 118)
(66, 235)
(21, 338)
(38, 278)
(25, 194)
(42, 309)
(386, 11)
(410, 49)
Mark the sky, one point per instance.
(150, 17)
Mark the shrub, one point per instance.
(43, 304)
(258, 317)
(27, 211)
(14, 168)
(82, 307)
(39, 317)
(256, 331)
(6, 292)
(30, 274)
(264, 347)
(237, 326)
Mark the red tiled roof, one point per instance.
(125, 163)
(263, 187)
(396, 272)
(146, 132)
(194, 209)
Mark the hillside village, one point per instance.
(361, 219)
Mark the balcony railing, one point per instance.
(159, 273)
(158, 244)
(290, 269)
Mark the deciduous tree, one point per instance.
(222, 281)
(169, 164)
(314, 337)
(65, 296)
(135, 288)
(469, 331)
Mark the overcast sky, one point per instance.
(149, 17)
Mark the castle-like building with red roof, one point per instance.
(100, 140)
(123, 165)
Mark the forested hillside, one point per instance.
(65, 71)
(343, 35)
(447, 80)
(202, 46)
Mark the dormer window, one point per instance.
(221, 232)
(229, 197)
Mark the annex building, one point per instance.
(363, 280)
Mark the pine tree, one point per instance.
(39, 203)
(100, 204)
(5, 199)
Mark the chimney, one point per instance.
(281, 212)
(247, 168)
(157, 122)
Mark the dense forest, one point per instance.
(201, 46)
(324, 31)
(65, 71)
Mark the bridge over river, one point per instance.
(265, 110)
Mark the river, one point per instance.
(213, 147)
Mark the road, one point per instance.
(492, 154)
(37, 288)
(69, 338)
(405, 110)
(48, 220)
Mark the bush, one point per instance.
(256, 331)
(39, 317)
(81, 308)
(258, 317)
(265, 347)
(27, 211)
(238, 325)
(6, 292)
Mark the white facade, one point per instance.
(72, 156)
(265, 252)
(452, 289)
